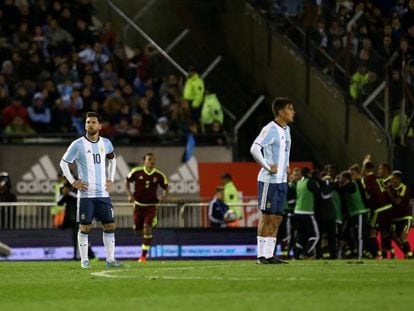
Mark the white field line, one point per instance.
(110, 274)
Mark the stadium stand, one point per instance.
(62, 62)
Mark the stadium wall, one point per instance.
(33, 169)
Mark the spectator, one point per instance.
(194, 92)
(18, 129)
(66, 21)
(217, 209)
(7, 214)
(357, 82)
(64, 74)
(231, 195)
(59, 40)
(148, 119)
(108, 36)
(74, 102)
(39, 114)
(83, 36)
(13, 110)
(61, 118)
(211, 110)
(97, 57)
(216, 135)
(108, 74)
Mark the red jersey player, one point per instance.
(146, 180)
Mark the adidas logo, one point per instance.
(185, 180)
(43, 176)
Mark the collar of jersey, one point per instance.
(149, 172)
(91, 140)
(277, 123)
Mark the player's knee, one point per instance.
(109, 227)
(85, 228)
(147, 229)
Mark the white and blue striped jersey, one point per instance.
(90, 159)
(275, 142)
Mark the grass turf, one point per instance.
(208, 285)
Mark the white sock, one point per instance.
(269, 247)
(83, 245)
(109, 243)
(260, 246)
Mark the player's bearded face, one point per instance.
(92, 126)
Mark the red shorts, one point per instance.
(144, 215)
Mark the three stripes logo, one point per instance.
(42, 176)
(185, 180)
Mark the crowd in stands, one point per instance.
(381, 42)
(58, 62)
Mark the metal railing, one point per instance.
(37, 215)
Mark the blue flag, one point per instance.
(189, 147)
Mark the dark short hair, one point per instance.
(387, 166)
(369, 166)
(219, 188)
(147, 155)
(280, 103)
(92, 114)
(305, 171)
(346, 174)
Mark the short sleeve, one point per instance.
(265, 137)
(71, 153)
(108, 146)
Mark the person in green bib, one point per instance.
(307, 189)
(356, 220)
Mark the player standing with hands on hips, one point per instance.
(271, 150)
(90, 153)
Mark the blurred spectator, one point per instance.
(216, 135)
(217, 209)
(106, 90)
(83, 37)
(108, 74)
(66, 21)
(357, 82)
(7, 214)
(148, 119)
(18, 129)
(61, 118)
(108, 36)
(211, 110)
(180, 116)
(63, 74)
(59, 40)
(39, 114)
(74, 102)
(408, 18)
(194, 92)
(97, 57)
(15, 109)
(396, 90)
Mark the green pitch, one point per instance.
(208, 285)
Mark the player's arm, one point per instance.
(111, 170)
(256, 152)
(128, 190)
(78, 184)
(164, 194)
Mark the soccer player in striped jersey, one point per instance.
(271, 150)
(146, 180)
(90, 153)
